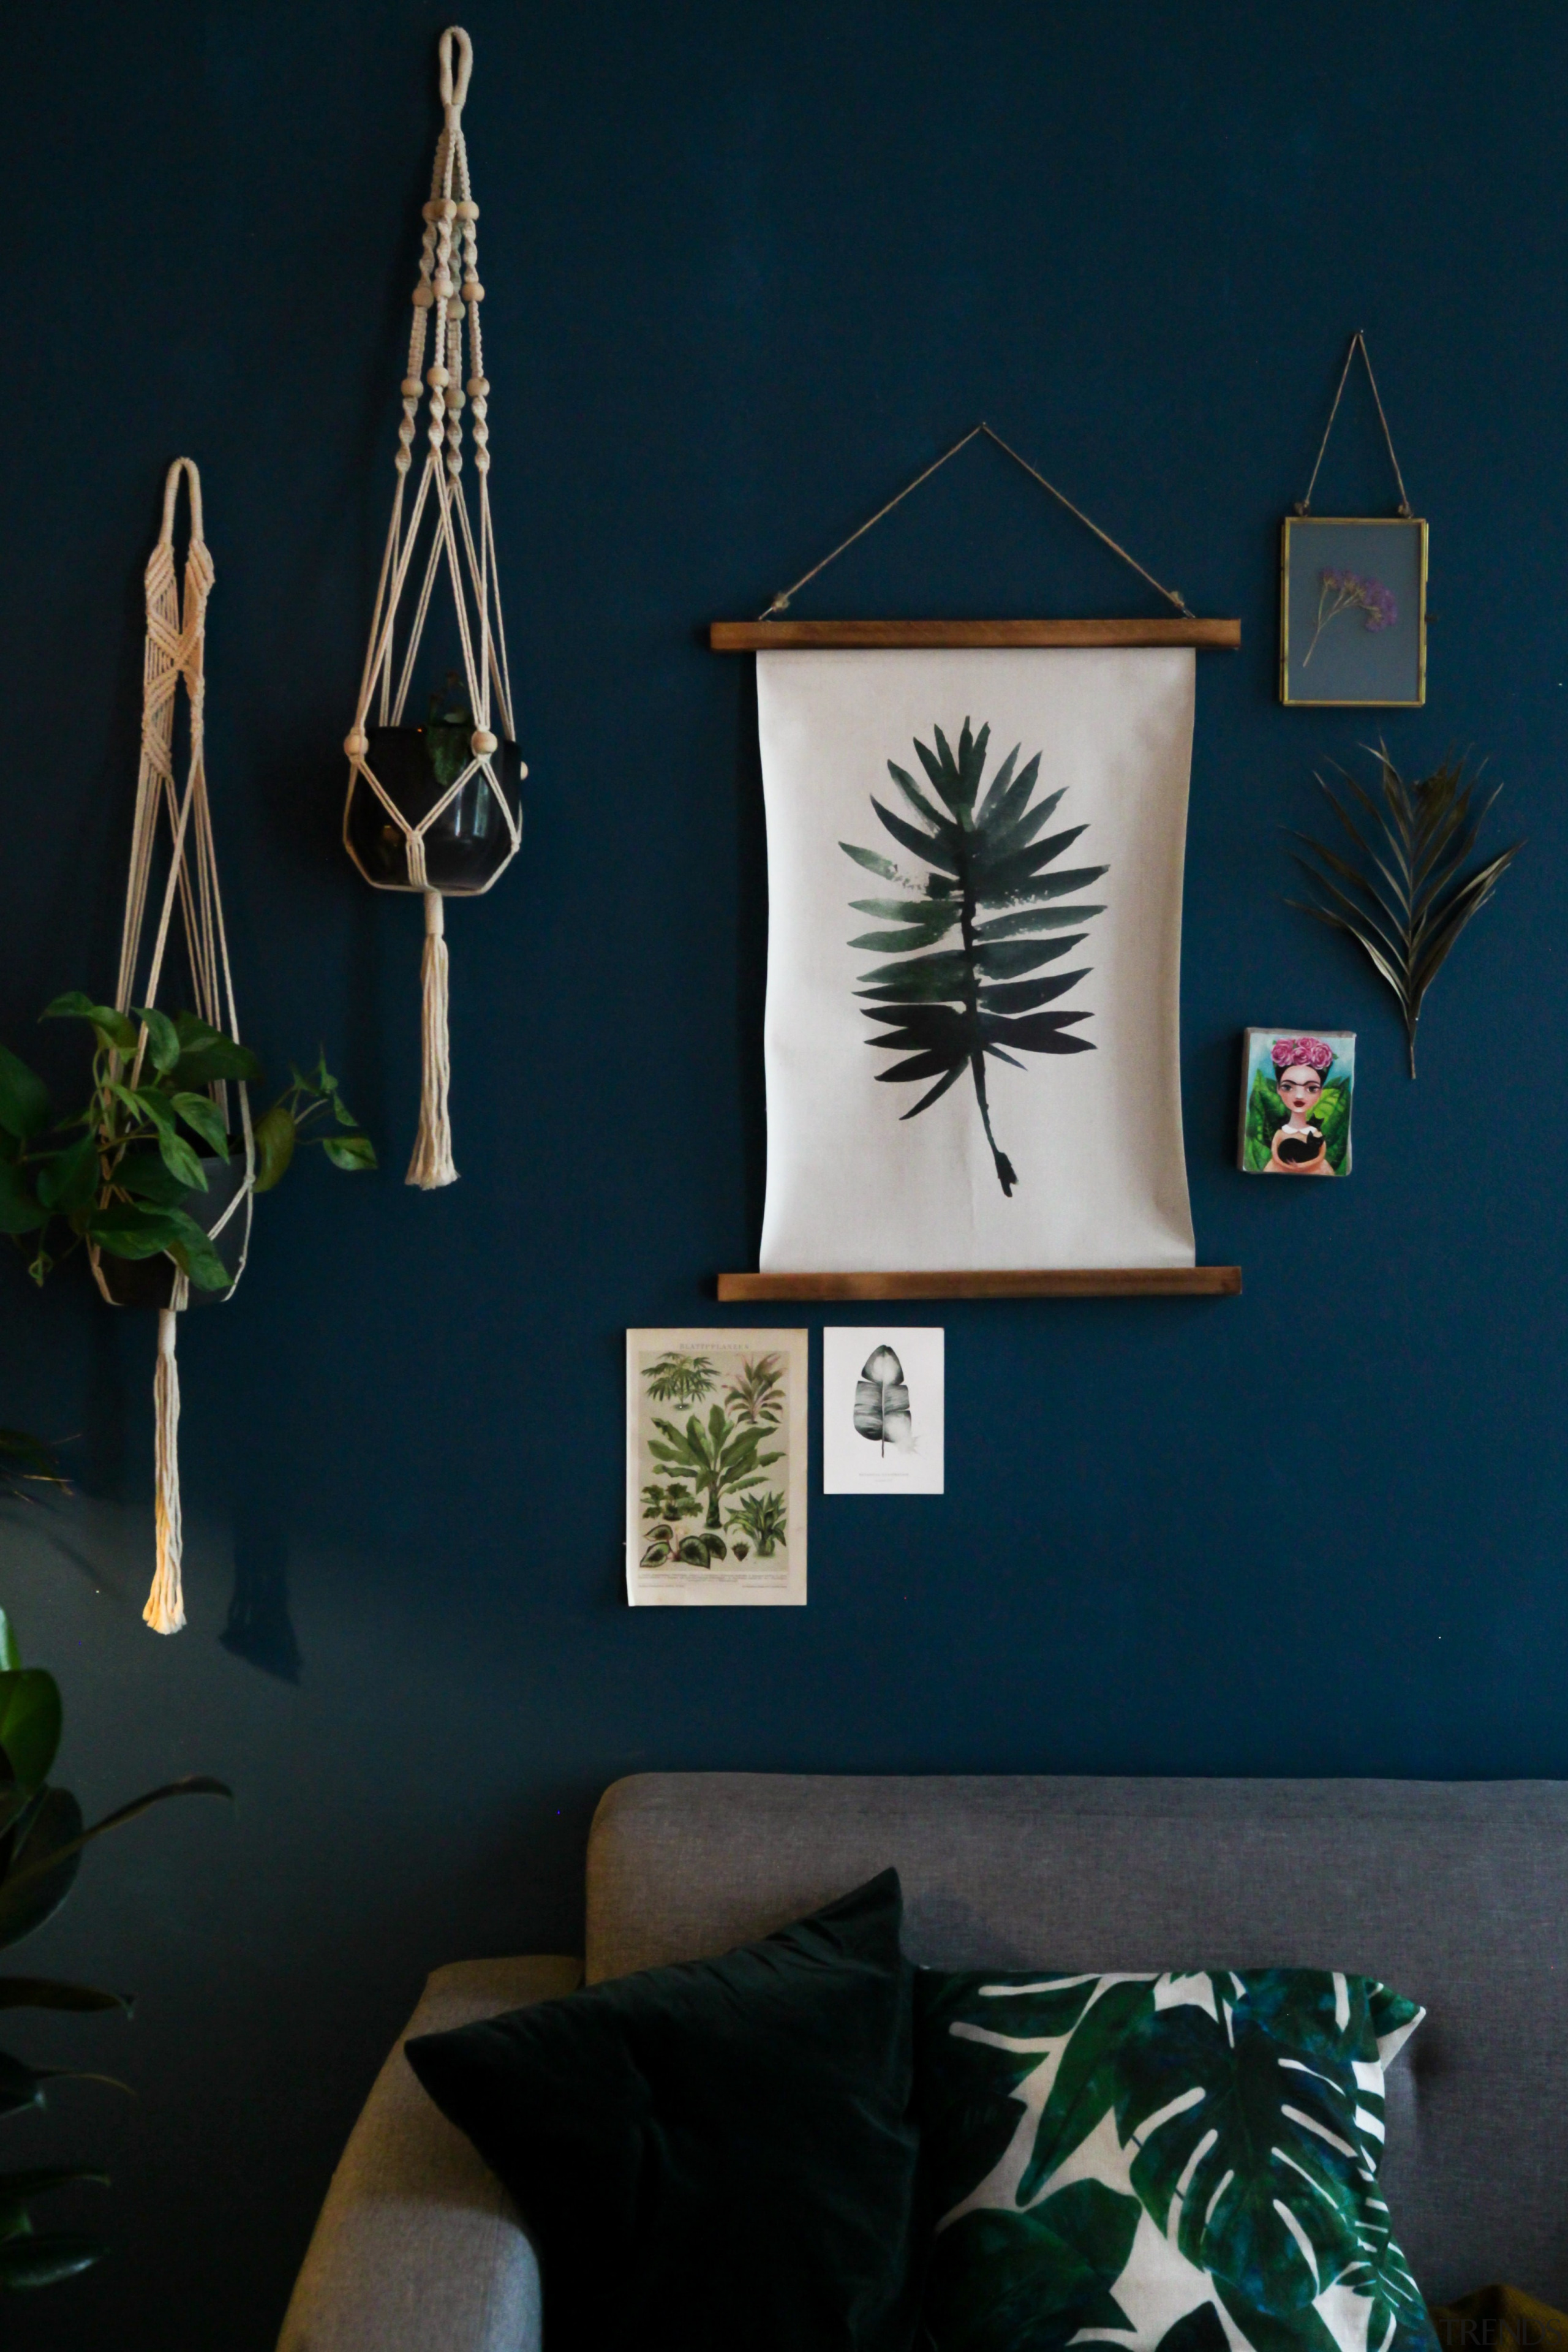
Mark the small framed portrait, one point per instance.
(716, 1485)
(1352, 610)
(1296, 1089)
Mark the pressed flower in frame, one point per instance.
(1348, 591)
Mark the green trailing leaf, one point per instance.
(114, 1030)
(13, 1442)
(275, 1136)
(948, 1012)
(203, 1117)
(882, 1402)
(1407, 911)
(194, 1252)
(162, 1037)
(208, 1065)
(350, 1151)
(19, 1210)
(70, 1180)
(126, 1230)
(24, 1110)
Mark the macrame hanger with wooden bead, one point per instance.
(461, 550)
(175, 657)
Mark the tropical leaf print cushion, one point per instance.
(1178, 2163)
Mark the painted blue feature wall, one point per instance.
(749, 269)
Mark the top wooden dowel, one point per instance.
(780, 636)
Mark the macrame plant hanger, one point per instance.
(172, 659)
(441, 817)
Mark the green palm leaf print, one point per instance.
(961, 993)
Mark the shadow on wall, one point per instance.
(258, 1627)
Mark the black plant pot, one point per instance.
(149, 1281)
(470, 842)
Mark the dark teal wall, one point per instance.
(748, 271)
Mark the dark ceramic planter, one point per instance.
(470, 842)
(149, 1281)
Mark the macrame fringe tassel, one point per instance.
(432, 1165)
(166, 1609)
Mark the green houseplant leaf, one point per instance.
(25, 1109)
(970, 935)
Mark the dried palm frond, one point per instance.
(1425, 832)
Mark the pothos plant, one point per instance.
(42, 1841)
(122, 1172)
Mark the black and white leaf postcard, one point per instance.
(882, 1410)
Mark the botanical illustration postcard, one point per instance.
(882, 1410)
(1352, 610)
(1296, 1091)
(716, 1424)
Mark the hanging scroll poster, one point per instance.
(974, 962)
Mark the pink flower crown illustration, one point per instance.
(1303, 1053)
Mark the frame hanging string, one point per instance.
(781, 602)
(1358, 343)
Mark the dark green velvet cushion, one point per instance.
(713, 2157)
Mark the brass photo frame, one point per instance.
(1352, 611)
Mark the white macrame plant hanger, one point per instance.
(469, 563)
(173, 658)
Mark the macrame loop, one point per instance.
(173, 658)
(446, 301)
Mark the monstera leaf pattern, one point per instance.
(1177, 2163)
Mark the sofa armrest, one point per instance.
(417, 2244)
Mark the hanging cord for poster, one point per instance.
(447, 298)
(781, 602)
(172, 659)
(1358, 343)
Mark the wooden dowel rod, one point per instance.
(766, 637)
(1059, 1282)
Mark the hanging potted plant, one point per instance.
(157, 1174)
(149, 1178)
(435, 805)
(144, 1176)
(444, 797)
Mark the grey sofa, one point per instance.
(1457, 1894)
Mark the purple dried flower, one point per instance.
(1346, 591)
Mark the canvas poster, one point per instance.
(975, 865)
(716, 1473)
(883, 1410)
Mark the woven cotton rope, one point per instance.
(174, 658)
(436, 532)
(973, 958)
